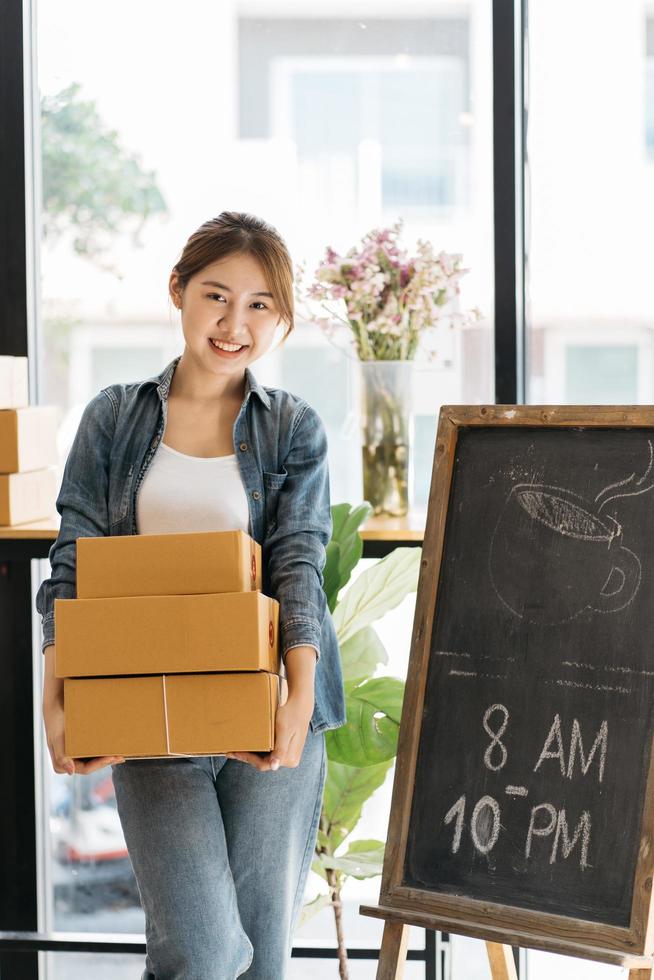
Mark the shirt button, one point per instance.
(256, 495)
(243, 447)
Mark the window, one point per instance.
(372, 114)
(325, 125)
(590, 309)
(611, 370)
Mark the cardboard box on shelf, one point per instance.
(166, 634)
(28, 496)
(13, 382)
(28, 438)
(169, 715)
(167, 564)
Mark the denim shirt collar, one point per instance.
(164, 379)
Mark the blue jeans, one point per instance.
(221, 853)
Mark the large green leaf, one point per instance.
(361, 654)
(346, 790)
(347, 519)
(345, 548)
(373, 713)
(362, 751)
(376, 591)
(363, 859)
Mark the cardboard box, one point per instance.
(178, 714)
(167, 564)
(28, 438)
(28, 496)
(13, 382)
(166, 634)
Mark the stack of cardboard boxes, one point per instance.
(170, 647)
(28, 449)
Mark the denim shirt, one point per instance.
(281, 448)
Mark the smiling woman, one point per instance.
(233, 287)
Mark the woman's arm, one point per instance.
(53, 720)
(295, 553)
(293, 716)
(82, 503)
(295, 550)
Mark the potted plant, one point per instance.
(362, 751)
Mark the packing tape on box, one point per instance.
(165, 701)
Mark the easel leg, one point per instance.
(502, 963)
(647, 974)
(392, 956)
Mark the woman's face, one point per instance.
(228, 303)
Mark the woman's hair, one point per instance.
(236, 231)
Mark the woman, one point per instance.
(221, 846)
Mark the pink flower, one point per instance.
(389, 294)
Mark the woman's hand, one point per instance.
(293, 715)
(291, 726)
(53, 718)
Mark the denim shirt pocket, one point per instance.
(272, 485)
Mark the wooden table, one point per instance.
(382, 534)
(26, 541)
(47, 528)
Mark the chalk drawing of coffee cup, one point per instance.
(551, 557)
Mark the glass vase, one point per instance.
(386, 423)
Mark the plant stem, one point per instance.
(337, 906)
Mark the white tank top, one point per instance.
(191, 493)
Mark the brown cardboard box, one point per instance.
(28, 496)
(28, 438)
(177, 714)
(166, 634)
(167, 564)
(13, 382)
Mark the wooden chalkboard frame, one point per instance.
(631, 946)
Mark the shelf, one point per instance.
(48, 528)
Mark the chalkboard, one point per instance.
(523, 791)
